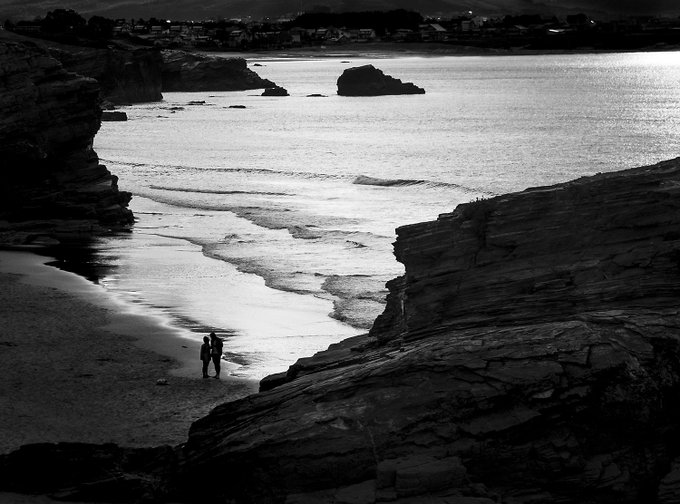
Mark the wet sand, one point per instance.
(76, 365)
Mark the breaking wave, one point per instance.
(373, 181)
(214, 191)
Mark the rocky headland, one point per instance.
(126, 74)
(184, 71)
(53, 185)
(530, 353)
(129, 73)
(366, 80)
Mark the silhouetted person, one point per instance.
(205, 355)
(216, 352)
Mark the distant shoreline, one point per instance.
(391, 49)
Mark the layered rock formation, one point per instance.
(126, 74)
(129, 73)
(183, 71)
(530, 353)
(367, 80)
(53, 183)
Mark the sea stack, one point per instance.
(367, 80)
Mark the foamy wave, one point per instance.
(373, 181)
(228, 169)
(214, 191)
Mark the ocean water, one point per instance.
(273, 224)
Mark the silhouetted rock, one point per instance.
(184, 71)
(367, 80)
(116, 115)
(275, 91)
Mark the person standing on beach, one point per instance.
(205, 355)
(216, 352)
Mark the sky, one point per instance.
(202, 9)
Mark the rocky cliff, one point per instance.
(183, 71)
(129, 73)
(52, 182)
(126, 74)
(530, 354)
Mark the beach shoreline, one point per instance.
(78, 365)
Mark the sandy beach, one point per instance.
(76, 365)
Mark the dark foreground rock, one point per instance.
(530, 353)
(52, 182)
(183, 71)
(367, 80)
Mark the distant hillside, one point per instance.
(205, 9)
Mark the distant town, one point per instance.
(327, 29)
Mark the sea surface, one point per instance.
(273, 224)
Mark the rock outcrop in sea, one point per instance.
(367, 80)
(275, 91)
(184, 71)
(530, 353)
(53, 185)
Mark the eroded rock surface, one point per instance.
(52, 182)
(367, 80)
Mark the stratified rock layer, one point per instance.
(367, 80)
(529, 354)
(183, 71)
(126, 74)
(52, 180)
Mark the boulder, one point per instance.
(116, 115)
(367, 80)
(275, 91)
